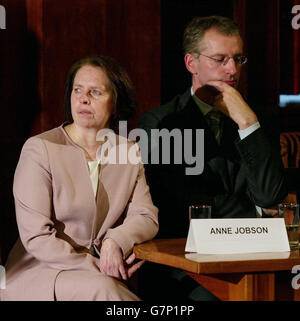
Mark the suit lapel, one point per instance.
(194, 117)
(195, 120)
(228, 140)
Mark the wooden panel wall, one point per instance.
(290, 51)
(175, 15)
(15, 106)
(44, 37)
(67, 31)
(42, 40)
(262, 29)
(239, 14)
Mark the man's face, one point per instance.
(216, 46)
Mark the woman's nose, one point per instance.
(84, 98)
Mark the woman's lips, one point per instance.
(84, 112)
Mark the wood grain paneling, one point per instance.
(244, 277)
(262, 31)
(175, 16)
(45, 37)
(67, 31)
(239, 16)
(15, 104)
(42, 40)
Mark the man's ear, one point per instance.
(190, 62)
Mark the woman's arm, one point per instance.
(34, 208)
(140, 224)
(141, 219)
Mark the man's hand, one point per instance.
(272, 211)
(111, 260)
(231, 103)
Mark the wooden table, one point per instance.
(244, 277)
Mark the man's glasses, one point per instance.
(239, 60)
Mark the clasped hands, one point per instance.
(113, 264)
(229, 101)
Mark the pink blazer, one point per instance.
(61, 224)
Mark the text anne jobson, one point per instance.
(240, 230)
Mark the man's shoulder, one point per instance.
(153, 117)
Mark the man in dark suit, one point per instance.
(243, 171)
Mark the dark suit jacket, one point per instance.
(238, 174)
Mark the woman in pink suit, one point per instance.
(79, 213)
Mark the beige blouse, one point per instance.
(94, 174)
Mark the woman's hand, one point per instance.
(111, 260)
(132, 264)
(112, 263)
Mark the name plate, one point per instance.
(233, 236)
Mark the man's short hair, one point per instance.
(196, 28)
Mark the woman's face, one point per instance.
(91, 98)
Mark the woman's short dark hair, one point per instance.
(121, 85)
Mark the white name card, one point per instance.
(232, 236)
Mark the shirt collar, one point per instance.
(204, 108)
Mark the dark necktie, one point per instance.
(214, 121)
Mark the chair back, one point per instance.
(290, 149)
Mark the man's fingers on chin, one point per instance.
(217, 84)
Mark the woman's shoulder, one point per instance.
(113, 138)
(54, 135)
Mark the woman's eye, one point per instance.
(96, 92)
(77, 90)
